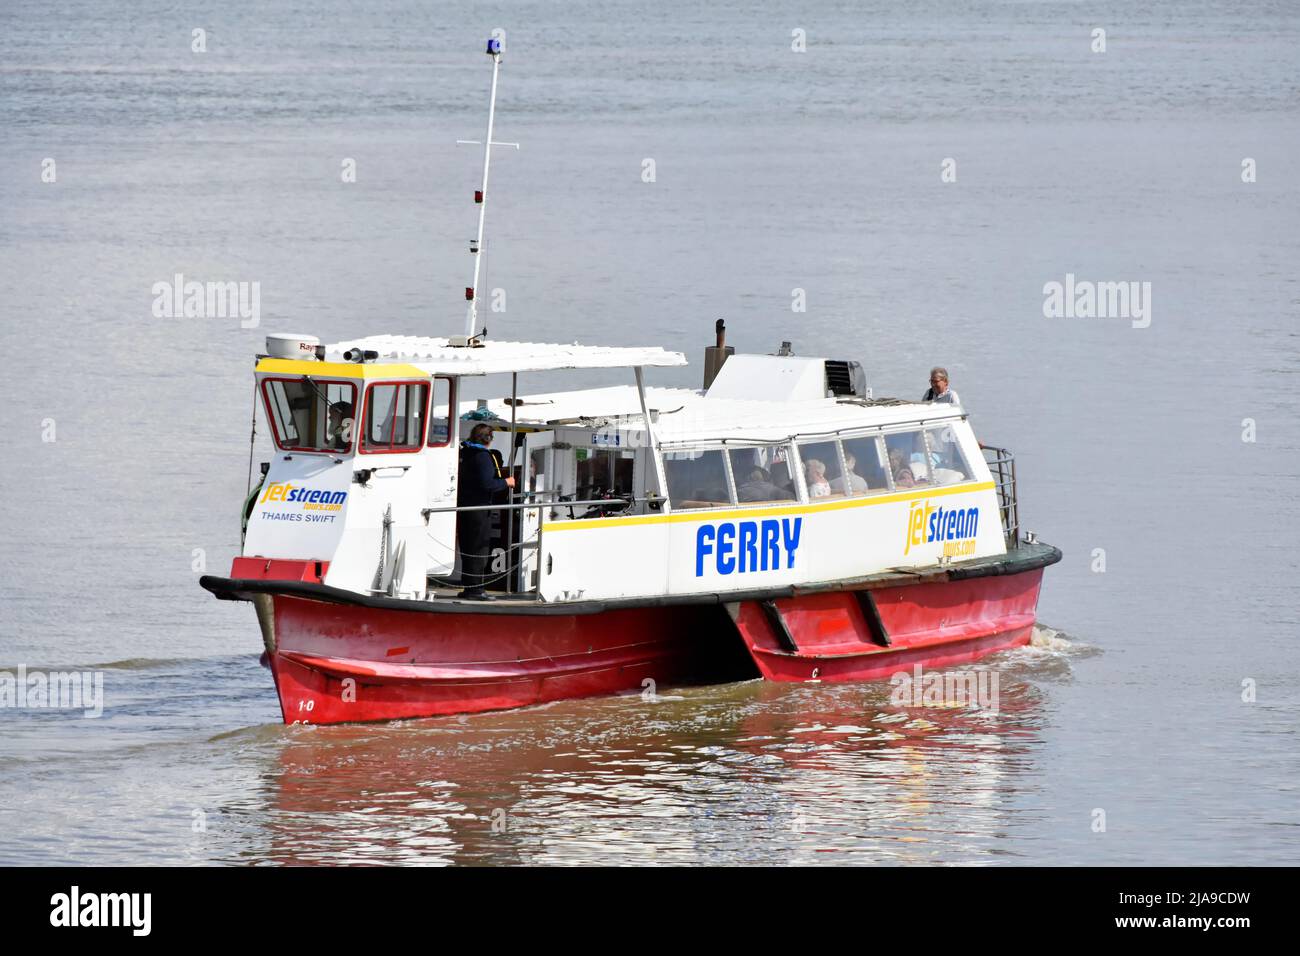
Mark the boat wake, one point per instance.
(1051, 639)
(1049, 655)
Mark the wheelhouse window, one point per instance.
(395, 417)
(697, 478)
(865, 467)
(948, 464)
(311, 414)
(604, 472)
(441, 412)
(762, 473)
(821, 467)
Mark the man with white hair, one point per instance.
(939, 390)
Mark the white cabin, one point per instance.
(782, 472)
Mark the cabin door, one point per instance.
(540, 484)
(443, 456)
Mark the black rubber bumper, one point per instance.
(1027, 557)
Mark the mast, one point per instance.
(480, 195)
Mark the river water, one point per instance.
(1160, 697)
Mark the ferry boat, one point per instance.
(779, 522)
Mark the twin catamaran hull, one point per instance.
(870, 635)
(341, 657)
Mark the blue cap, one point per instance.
(494, 47)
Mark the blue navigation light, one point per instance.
(494, 47)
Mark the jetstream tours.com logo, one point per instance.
(955, 527)
(56, 690)
(311, 499)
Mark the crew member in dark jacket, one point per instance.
(479, 480)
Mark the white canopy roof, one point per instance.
(751, 420)
(687, 416)
(437, 357)
(609, 402)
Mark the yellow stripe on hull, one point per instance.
(724, 514)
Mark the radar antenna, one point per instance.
(480, 195)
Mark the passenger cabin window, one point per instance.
(821, 467)
(907, 458)
(395, 414)
(762, 473)
(697, 478)
(309, 414)
(948, 464)
(864, 461)
(440, 413)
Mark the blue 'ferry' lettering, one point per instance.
(738, 547)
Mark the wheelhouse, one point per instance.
(311, 412)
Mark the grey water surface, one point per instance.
(1161, 691)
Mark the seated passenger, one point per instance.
(897, 460)
(946, 461)
(901, 469)
(714, 495)
(818, 486)
(339, 432)
(781, 478)
(759, 487)
(856, 483)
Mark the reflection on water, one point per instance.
(742, 772)
(190, 765)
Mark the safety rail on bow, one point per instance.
(1002, 466)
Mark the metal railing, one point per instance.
(597, 508)
(554, 504)
(1002, 466)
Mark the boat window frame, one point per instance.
(878, 432)
(324, 383)
(956, 443)
(414, 448)
(835, 439)
(878, 438)
(729, 446)
(451, 411)
(718, 446)
(923, 425)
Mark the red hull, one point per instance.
(337, 663)
(339, 660)
(833, 637)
